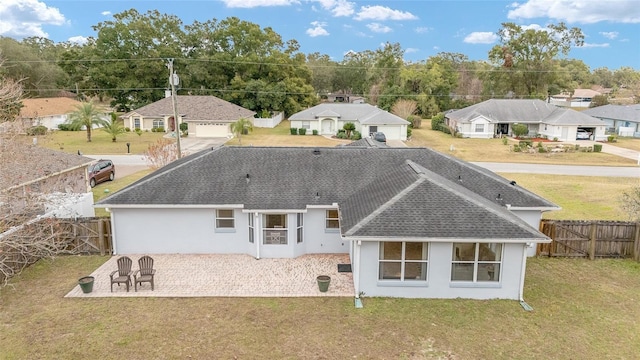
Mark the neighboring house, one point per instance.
(496, 117)
(345, 98)
(327, 118)
(623, 120)
(49, 112)
(415, 222)
(59, 179)
(207, 116)
(580, 98)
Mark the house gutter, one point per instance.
(447, 240)
(522, 276)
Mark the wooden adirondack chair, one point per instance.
(124, 273)
(145, 273)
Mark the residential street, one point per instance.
(128, 164)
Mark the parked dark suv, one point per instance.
(379, 136)
(101, 171)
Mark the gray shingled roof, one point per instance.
(25, 163)
(195, 108)
(363, 113)
(529, 111)
(616, 112)
(361, 180)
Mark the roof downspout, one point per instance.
(114, 243)
(522, 276)
(258, 225)
(356, 274)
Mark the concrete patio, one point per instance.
(221, 275)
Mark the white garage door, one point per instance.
(212, 130)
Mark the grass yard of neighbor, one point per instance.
(582, 310)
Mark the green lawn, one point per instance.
(72, 141)
(109, 187)
(582, 310)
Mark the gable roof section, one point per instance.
(361, 180)
(33, 108)
(194, 108)
(522, 111)
(363, 113)
(616, 112)
(42, 163)
(570, 117)
(451, 206)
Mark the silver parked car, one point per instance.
(583, 135)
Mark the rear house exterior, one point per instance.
(207, 116)
(416, 223)
(328, 118)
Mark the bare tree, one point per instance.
(404, 108)
(161, 153)
(631, 203)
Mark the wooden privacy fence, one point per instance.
(88, 235)
(574, 238)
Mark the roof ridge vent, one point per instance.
(316, 151)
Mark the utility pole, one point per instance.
(173, 79)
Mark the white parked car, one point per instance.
(583, 135)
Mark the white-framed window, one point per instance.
(332, 220)
(299, 227)
(404, 261)
(251, 228)
(275, 229)
(158, 123)
(479, 128)
(306, 125)
(225, 219)
(476, 262)
(136, 123)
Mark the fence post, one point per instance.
(101, 236)
(592, 241)
(636, 243)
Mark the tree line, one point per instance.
(236, 60)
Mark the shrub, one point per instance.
(555, 139)
(597, 147)
(349, 127)
(341, 131)
(409, 132)
(505, 141)
(525, 143)
(66, 127)
(127, 129)
(341, 135)
(416, 121)
(153, 129)
(541, 149)
(37, 130)
(517, 149)
(184, 127)
(437, 123)
(520, 129)
(293, 131)
(314, 132)
(302, 131)
(160, 129)
(356, 135)
(611, 138)
(139, 131)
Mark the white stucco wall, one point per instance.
(439, 284)
(192, 231)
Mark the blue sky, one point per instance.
(422, 27)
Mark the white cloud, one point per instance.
(589, 45)
(422, 30)
(578, 11)
(382, 13)
(610, 34)
(379, 28)
(338, 7)
(23, 18)
(106, 13)
(318, 29)
(481, 37)
(411, 50)
(257, 3)
(80, 40)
